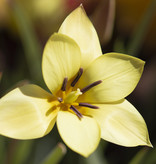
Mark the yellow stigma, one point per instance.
(72, 96)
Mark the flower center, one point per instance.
(72, 96)
(69, 98)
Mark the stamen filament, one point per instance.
(63, 88)
(85, 89)
(77, 77)
(88, 105)
(76, 111)
(63, 94)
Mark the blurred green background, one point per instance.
(123, 26)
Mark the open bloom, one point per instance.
(88, 90)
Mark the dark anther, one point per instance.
(77, 77)
(83, 90)
(64, 84)
(59, 99)
(88, 105)
(76, 111)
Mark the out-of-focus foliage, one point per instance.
(4, 13)
(129, 14)
(0, 75)
(116, 22)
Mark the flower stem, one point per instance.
(56, 155)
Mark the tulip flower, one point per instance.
(87, 100)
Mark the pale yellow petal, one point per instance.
(120, 74)
(81, 135)
(27, 112)
(78, 26)
(121, 124)
(61, 58)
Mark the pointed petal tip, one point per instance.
(85, 155)
(150, 145)
(147, 144)
(78, 26)
(81, 5)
